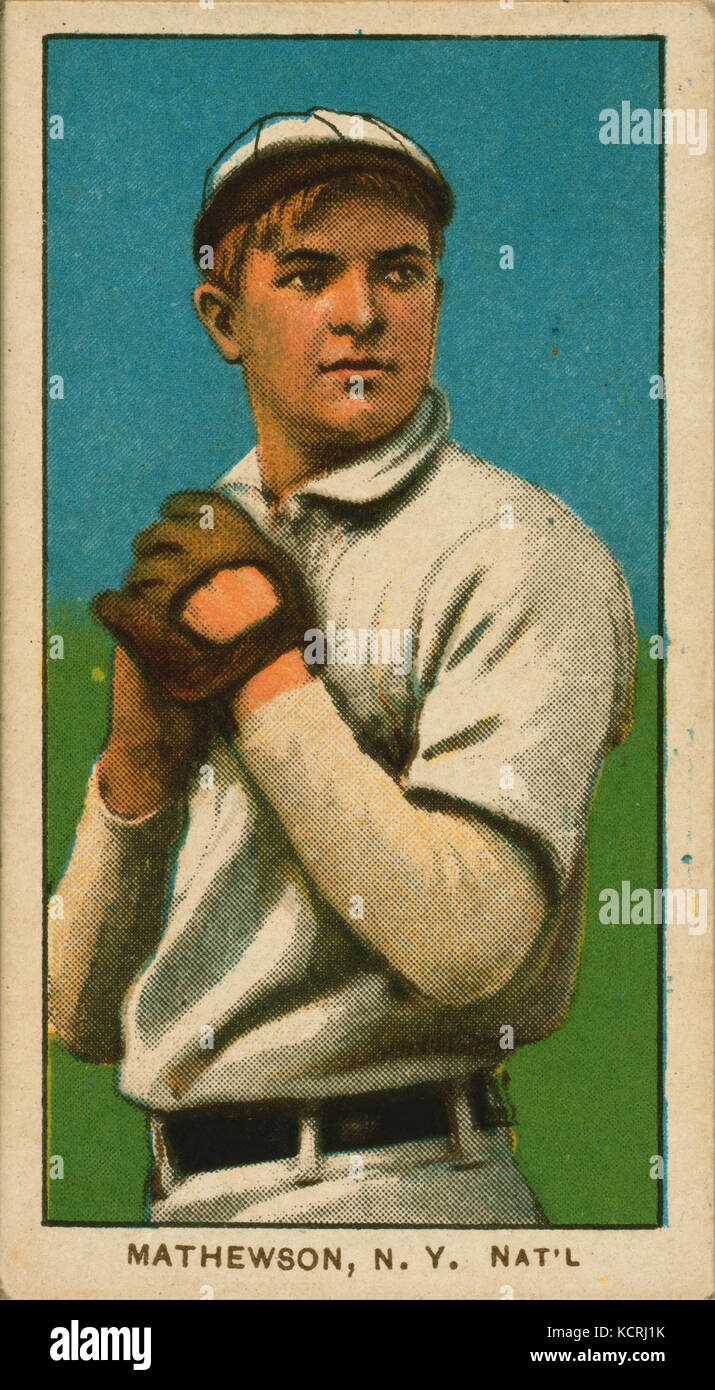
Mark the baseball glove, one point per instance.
(174, 558)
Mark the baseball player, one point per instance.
(329, 870)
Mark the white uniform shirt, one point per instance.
(519, 683)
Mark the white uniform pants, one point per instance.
(411, 1184)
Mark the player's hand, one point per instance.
(233, 600)
(154, 744)
(156, 615)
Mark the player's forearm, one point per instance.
(453, 906)
(105, 919)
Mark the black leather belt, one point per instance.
(200, 1141)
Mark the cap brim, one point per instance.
(255, 186)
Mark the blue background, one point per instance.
(149, 406)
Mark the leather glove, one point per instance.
(173, 559)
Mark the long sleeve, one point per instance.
(105, 920)
(521, 695)
(452, 905)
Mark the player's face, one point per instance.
(337, 324)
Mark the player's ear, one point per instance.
(218, 313)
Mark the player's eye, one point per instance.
(405, 275)
(311, 279)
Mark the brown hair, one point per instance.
(295, 211)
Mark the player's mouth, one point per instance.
(368, 367)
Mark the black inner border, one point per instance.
(660, 39)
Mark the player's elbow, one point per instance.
(87, 1040)
(86, 1047)
(472, 960)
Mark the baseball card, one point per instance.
(357, 651)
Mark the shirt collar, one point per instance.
(374, 475)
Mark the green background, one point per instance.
(585, 1100)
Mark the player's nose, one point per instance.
(353, 306)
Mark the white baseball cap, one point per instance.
(281, 153)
